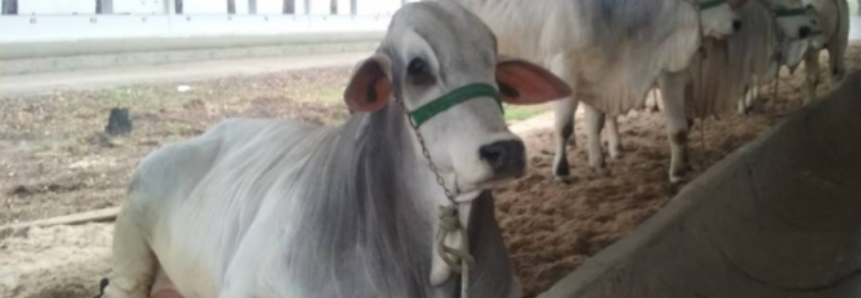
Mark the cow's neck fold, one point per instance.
(400, 195)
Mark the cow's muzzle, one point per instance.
(506, 158)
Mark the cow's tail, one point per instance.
(102, 285)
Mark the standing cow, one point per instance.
(701, 90)
(272, 208)
(611, 52)
(832, 33)
(833, 17)
(751, 55)
(714, 80)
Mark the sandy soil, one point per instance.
(55, 262)
(550, 228)
(55, 158)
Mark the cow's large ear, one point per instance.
(523, 83)
(370, 86)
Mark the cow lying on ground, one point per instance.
(272, 208)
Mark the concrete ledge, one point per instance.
(30, 50)
(65, 56)
(780, 217)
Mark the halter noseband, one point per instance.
(710, 4)
(455, 97)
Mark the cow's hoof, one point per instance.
(563, 179)
(677, 178)
(616, 153)
(601, 172)
(102, 285)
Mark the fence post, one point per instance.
(354, 7)
(289, 7)
(252, 6)
(307, 7)
(9, 7)
(104, 6)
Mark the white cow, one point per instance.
(611, 52)
(833, 18)
(684, 95)
(754, 54)
(272, 208)
(832, 33)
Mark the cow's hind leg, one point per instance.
(163, 287)
(673, 88)
(564, 125)
(811, 69)
(594, 125)
(836, 55)
(133, 264)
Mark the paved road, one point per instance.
(100, 78)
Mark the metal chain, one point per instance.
(426, 153)
(449, 222)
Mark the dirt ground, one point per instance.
(57, 161)
(55, 158)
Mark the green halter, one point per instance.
(455, 97)
(789, 12)
(711, 4)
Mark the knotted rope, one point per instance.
(458, 259)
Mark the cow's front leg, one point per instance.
(134, 264)
(613, 142)
(564, 122)
(811, 66)
(594, 125)
(746, 101)
(672, 87)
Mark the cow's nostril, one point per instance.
(507, 158)
(493, 153)
(804, 32)
(736, 25)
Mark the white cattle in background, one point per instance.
(611, 52)
(717, 78)
(752, 55)
(832, 18)
(276, 208)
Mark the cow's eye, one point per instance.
(417, 66)
(419, 72)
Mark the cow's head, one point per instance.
(814, 9)
(440, 62)
(717, 19)
(794, 20)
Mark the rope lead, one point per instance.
(458, 259)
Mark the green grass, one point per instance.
(520, 113)
(853, 7)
